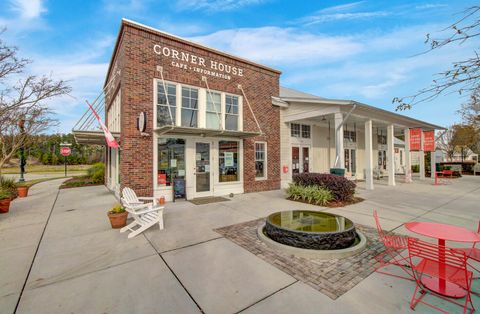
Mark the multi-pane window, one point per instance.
(189, 106)
(295, 130)
(260, 160)
(305, 131)
(229, 168)
(382, 139)
(350, 136)
(214, 110)
(231, 112)
(166, 104)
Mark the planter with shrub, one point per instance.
(22, 190)
(8, 185)
(5, 199)
(118, 216)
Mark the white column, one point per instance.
(368, 156)
(421, 153)
(390, 155)
(408, 157)
(339, 151)
(432, 165)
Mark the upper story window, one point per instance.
(197, 107)
(231, 112)
(295, 130)
(165, 114)
(350, 136)
(300, 130)
(214, 110)
(189, 106)
(305, 131)
(382, 139)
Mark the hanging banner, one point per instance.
(429, 141)
(415, 139)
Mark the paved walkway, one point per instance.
(59, 255)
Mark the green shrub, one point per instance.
(4, 194)
(341, 188)
(97, 173)
(313, 194)
(117, 209)
(8, 184)
(415, 168)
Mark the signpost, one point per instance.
(65, 151)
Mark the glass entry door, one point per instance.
(350, 161)
(202, 169)
(300, 159)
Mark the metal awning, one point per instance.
(92, 137)
(183, 130)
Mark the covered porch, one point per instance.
(369, 143)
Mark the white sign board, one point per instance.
(228, 159)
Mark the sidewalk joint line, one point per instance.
(176, 277)
(36, 252)
(266, 297)
(186, 246)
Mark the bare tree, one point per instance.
(23, 108)
(464, 76)
(445, 143)
(470, 111)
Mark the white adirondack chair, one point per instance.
(144, 214)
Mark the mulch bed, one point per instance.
(332, 277)
(331, 204)
(78, 182)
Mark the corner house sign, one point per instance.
(189, 61)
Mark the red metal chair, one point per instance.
(440, 262)
(394, 246)
(473, 253)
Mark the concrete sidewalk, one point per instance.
(83, 266)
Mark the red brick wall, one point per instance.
(138, 72)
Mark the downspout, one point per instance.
(337, 149)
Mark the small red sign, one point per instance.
(162, 179)
(415, 139)
(429, 141)
(65, 151)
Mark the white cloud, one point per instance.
(281, 46)
(215, 5)
(28, 9)
(322, 18)
(341, 7)
(430, 6)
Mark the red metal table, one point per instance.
(443, 233)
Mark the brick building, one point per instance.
(194, 122)
(189, 119)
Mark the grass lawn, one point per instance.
(29, 183)
(46, 168)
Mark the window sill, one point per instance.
(261, 179)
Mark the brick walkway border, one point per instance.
(332, 277)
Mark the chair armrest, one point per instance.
(151, 209)
(153, 199)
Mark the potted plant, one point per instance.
(5, 199)
(22, 190)
(9, 185)
(118, 216)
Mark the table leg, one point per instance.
(439, 285)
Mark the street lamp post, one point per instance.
(21, 125)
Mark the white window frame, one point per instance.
(299, 130)
(219, 114)
(265, 158)
(238, 114)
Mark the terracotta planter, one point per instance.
(118, 220)
(4, 205)
(22, 191)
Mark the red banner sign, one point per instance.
(415, 139)
(429, 141)
(65, 151)
(162, 178)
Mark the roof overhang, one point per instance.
(203, 132)
(331, 106)
(92, 137)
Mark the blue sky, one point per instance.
(363, 50)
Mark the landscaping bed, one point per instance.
(323, 190)
(78, 182)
